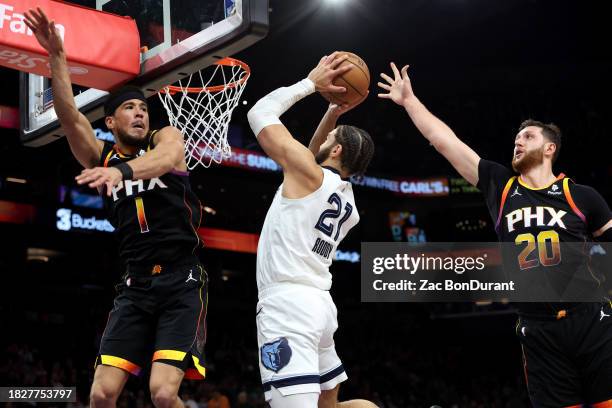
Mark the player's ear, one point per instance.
(550, 148)
(336, 150)
(109, 121)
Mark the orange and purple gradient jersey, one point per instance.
(156, 220)
(537, 220)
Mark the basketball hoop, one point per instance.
(202, 109)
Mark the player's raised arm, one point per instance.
(301, 172)
(461, 156)
(85, 147)
(328, 123)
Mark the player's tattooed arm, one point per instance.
(85, 147)
(461, 156)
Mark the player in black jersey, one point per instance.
(567, 347)
(159, 313)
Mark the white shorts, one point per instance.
(295, 333)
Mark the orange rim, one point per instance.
(228, 62)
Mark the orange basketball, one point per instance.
(356, 81)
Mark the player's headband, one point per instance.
(122, 95)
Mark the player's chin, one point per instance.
(138, 133)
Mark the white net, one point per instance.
(202, 109)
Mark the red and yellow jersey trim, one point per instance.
(120, 363)
(603, 404)
(503, 200)
(200, 368)
(108, 156)
(570, 200)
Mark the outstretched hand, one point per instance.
(99, 177)
(45, 31)
(328, 69)
(399, 88)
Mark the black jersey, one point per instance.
(156, 220)
(560, 212)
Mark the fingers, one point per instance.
(405, 72)
(384, 96)
(28, 23)
(331, 57)
(342, 70)
(31, 20)
(336, 89)
(43, 17)
(396, 72)
(89, 176)
(386, 87)
(386, 78)
(337, 61)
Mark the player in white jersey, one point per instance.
(312, 211)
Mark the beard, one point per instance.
(323, 154)
(528, 161)
(128, 139)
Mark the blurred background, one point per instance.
(481, 66)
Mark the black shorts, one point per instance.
(159, 315)
(568, 359)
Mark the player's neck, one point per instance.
(127, 150)
(334, 164)
(538, 176)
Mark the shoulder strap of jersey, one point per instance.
(503, 199)
(570, 200)
(150, 144)
(107, 153)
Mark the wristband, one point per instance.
(126, 171)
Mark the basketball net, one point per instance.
(202, 109)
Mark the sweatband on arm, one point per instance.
(126, 171)
(268, 109)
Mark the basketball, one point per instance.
(356, 81)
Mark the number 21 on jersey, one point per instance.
(327, 220)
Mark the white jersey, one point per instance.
(299, 237)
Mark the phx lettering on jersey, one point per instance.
(544, 216)
(128, 187)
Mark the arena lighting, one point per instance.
(41, 254)
(209, 210)
(16, 180)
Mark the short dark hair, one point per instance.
(550, 132)
(357, 149)
(117, 97)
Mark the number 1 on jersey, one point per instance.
(140, 212)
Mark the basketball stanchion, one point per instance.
(201, 108)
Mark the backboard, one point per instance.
(179, 37)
